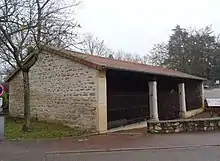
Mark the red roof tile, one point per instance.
(131, 66)
(108, 63)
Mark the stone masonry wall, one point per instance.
(188, 125)
(61, 91)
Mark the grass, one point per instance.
(39, 130)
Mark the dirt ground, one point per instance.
(205, 114)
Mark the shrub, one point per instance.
(5, 103)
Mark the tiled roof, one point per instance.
(109, 63)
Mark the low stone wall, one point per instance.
(186, 125)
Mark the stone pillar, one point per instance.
(153, 100)
(202, 95)
(182, 100)
(101, 112)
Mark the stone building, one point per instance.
(101, 93)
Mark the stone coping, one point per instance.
(184, 125)
(184, 120)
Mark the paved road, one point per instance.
(212, 93)
(202, 153)
(186, 154)
(196, 147)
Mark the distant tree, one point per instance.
(189, 50)
(126, 56)
(137, 58)
(119, 55)
(111, 56)
(93, 45)
(177, 50)
(5, 71)
(158, 55)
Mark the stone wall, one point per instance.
(61, 91)
(188, 125)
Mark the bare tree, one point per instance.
(119, 55)
(26, 26)
(138, 59)
(126, 56)
(93, 45)
(158, 54)
(145, 59)
(5, 70)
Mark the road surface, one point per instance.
(212, 93)
(202, 153)
(170, 147)
(185, 154)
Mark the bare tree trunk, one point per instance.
(26, 126)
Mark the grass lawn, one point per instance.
(39, 130)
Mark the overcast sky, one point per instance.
(135, 25)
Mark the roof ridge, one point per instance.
(113, 64)
(130, 62)
(126, 61)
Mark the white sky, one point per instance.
(135, 25)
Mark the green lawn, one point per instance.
(39, 130)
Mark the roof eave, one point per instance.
(153, 73)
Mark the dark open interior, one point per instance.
(167, 98)
(193, 94)
(128, 97)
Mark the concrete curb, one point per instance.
(55, 139)
(126, 133)
(128, 149)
